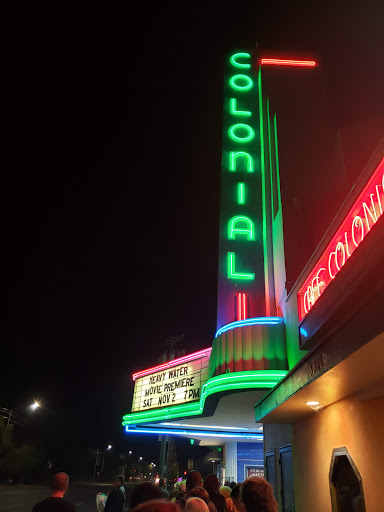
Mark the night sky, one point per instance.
(111, 155)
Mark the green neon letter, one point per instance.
(234, 155)
(233, 109)
(250, 134)
(231, 270)
(234, 62)
(247, 83)
(241, 193)
(249, 230)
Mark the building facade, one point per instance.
(300, 295)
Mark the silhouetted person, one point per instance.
(116, 498)
(212, 485)
(225, 491)
(56, 502)
(194, 488)
(164, 492)
(233, 504)
(196, 505)
(257, 494)
(156, 506)
(146, 491)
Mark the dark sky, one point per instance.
(111, 134)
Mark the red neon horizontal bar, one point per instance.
(289, 62)
(174, 362)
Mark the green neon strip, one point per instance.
(231, 272)
(234, 155)
(243, 78)
(241, 193)
(262, 156)
(270, 154)
(236, 64)
(249, 231)
(239, 380)
(277, 159)
(241, 126)
(233, 109)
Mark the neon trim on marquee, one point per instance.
(228, 382)
(267, 320)
(199, 433)
(174, 362)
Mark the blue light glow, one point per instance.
(303, 332)
(199, 433)
(262, 320)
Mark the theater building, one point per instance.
(300, 297)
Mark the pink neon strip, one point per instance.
(239, 306)
(289, 62)
(244, 296)
(174, 362)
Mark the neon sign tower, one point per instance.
(243, 289)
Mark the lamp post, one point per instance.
(33, 407)
(98, 453)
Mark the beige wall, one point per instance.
(356, 424)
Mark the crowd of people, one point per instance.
(196, 495)
(193, 495)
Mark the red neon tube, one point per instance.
(289, 62)
(190, 357)
(244, 316)
(239, 306)
(361, 218)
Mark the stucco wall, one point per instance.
(357, 425)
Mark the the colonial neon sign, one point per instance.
(240, 225)
(361, 218)
(241, 277)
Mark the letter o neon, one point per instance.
(248, 82)
(241, 126)
(356, 222)
(339, 247)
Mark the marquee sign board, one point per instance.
(173, 385)
(241, 285)
(362, 217)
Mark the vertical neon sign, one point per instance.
(241, 268)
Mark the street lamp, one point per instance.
(140, 458)
(130, 452)
(33, 407)
(98, 453)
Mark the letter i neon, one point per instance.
(241, 193)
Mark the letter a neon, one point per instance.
(249, 230)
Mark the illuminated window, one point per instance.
(234, 155)
(241, 82)
(241, 132)
(248, 230)
(236, 64)
(231, 269)
(241, 193)
(233, 109)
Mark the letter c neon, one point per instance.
(234, 62)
